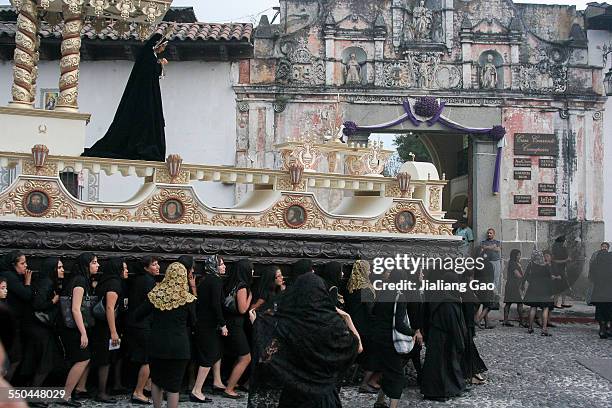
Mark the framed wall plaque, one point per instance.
(536, 144)
(522, 174)
(405, 221)
(548, 163)
(36, 203)
(547, 211)
(547, 188)
(547, 200)
(172, 210)
(522, 162)
(295, 216)
(522, 199)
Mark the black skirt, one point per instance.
(71, 340)
(385, 359)
(603, 311)
(100, 354)
(207, 346)
(138, 344)
(168, 374)
(236, 343)
(42, 351)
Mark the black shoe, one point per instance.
(69, 403)
(507, 324)
(603, 335)
(367, 389)
(81, 395)
(138, 401)
(217, 390)
(226, 395)
(193, 398)
(147, 393)
(242, 388)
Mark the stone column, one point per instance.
(25, 57)
(71, 58)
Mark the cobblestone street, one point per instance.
(525, 370)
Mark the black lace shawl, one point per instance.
(300, 349)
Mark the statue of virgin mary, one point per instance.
(137, 131)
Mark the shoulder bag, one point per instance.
(86, 311)
(403, 344)
(230, 303)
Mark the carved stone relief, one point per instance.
(299, 66)
(420, 70)
(548, 74)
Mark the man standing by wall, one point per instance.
(465, 232)
(491, 248)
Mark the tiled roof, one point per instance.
(233, 32)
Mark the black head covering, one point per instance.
(48, 269)
(331, 274)
(81, 268)
(9, 260)
(211, 265)
(187, 261)
(241, 275)
(301, 267)
(267, 287)
(303, 346)
(113, 269)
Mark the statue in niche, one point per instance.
(489, 74)
(422, 19)
(352, 71)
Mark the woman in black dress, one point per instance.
(443, 374)
(386, 358)
(300, 349)
(473, 365)
(105, 331)
(600, 274)
(42, 350)
(138, 331)
(359, 303)
(486, 297)
(189, 264)
(210, 327)
(271, 284)
(18, 277)
(76, 340)
(540, 290)
(512, 292)
(238, 285)
(172, 310)
(332, 276)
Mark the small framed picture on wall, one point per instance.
(49, 98)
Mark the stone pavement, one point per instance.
(525, 370)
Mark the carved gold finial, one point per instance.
(173, 163)
(403, 179)
(296, 171)
(39, 155)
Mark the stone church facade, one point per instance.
(522, 66)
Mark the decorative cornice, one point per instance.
(45, 113)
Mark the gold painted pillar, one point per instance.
(71, 58)
(25, 57)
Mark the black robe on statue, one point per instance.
(300, 349)
(137, 131)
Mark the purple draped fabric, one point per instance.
(496, 133)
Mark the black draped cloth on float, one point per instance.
(300, 349)
(137, 131)
(445, 339)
